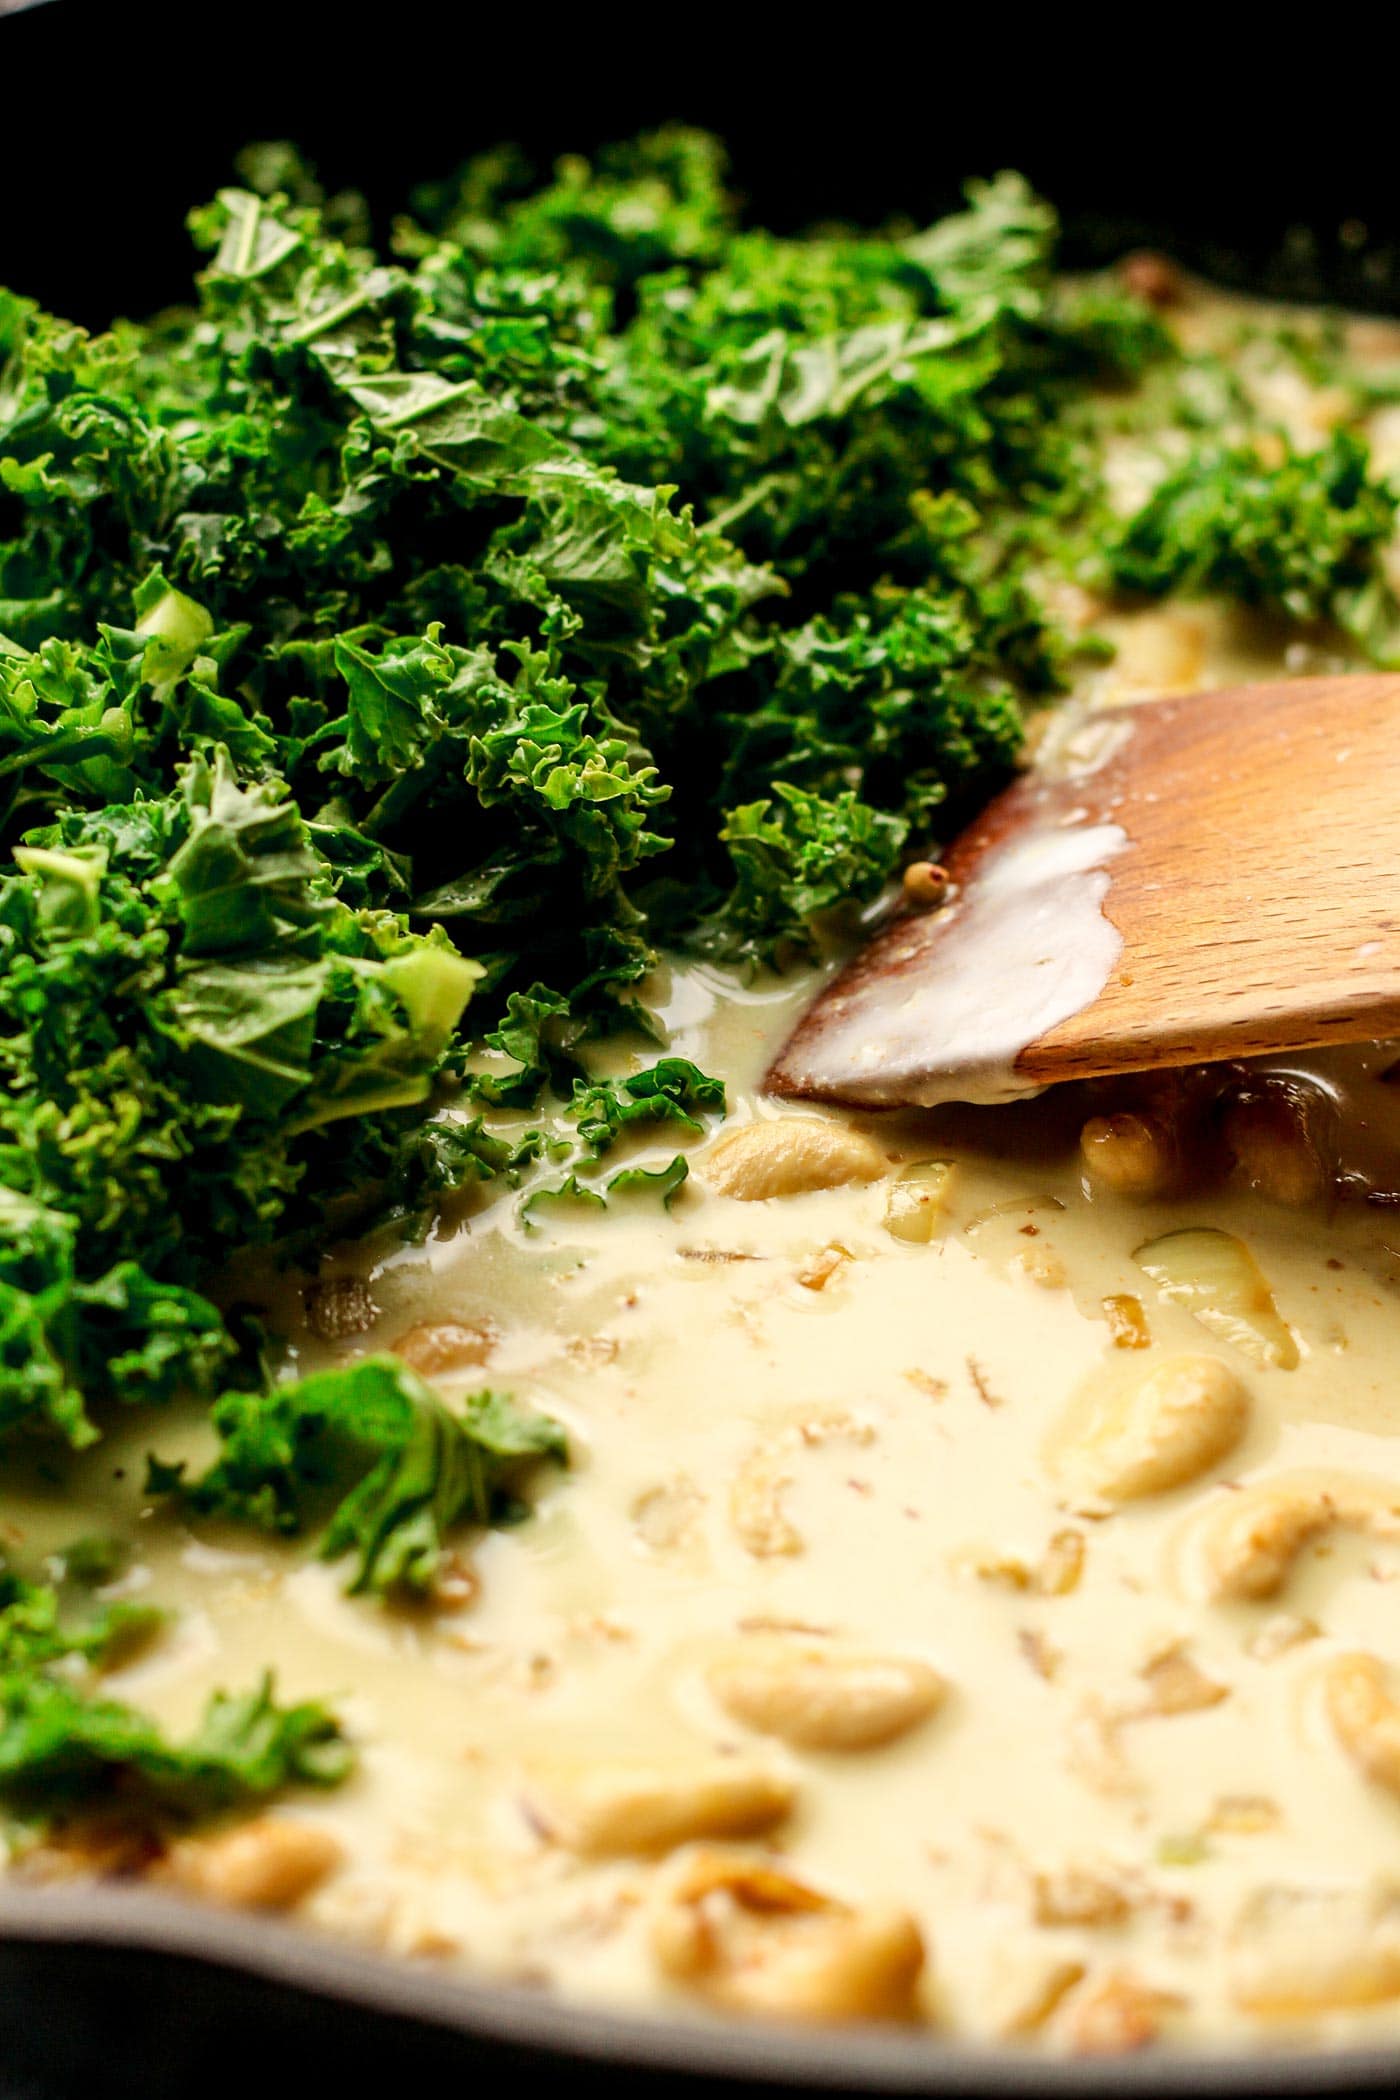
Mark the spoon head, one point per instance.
(1180, 881)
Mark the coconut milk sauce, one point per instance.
(677, 1348)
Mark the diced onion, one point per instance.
(1215, 1278)
(918, 1197)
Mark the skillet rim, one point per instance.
(512, 2016)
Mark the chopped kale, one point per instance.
(381, 1461)
(1299, 535)
(65, 1745)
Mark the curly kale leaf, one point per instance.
(66, 1336)
(184, 1006)
(796, 857)
(572, 1193)
(65, 1746)
(61, 1749)
(593, 572)
(417, 1166)
(672, 1091)
(420, 526)
(36, 1630)
(653, 202)
(376, 1456)
(1302, 537)
(894, 695)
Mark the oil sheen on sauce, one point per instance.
(787, 1423)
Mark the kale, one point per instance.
(572, 1192)
(64, 1745)
(671, 1091)
(1299, 535)
(185, 1007)
(388, 1468)
(535, 556)
(795, 857)
(61, 1748)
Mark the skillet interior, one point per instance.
(115, 120)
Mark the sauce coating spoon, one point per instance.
(1177, 881)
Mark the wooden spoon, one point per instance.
(1176, 881)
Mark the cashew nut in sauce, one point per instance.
(1366, 1716)
(751, 1937)
(272, 1863)
(1255, 1536)
(789, 1156)
(818, 1698)
(616, 1809)
(1156, 1428)
(1296, 1950)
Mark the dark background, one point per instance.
(1245, 154)
(1246, 157)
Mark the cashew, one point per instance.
(1156, 1431)
(271, 1863)
(443, 1346)
(1116, 2014)
(753, 1939)
(1274, 1153)
(1253, 1541)
(1133, 1155)
(820, 1699)
(617, 1809)
(1295, 1950)
(788, 1156)
(1365, 1717)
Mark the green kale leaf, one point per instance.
(65, 1746)
(1301, 537)
(671, 1091)
(373, 1454)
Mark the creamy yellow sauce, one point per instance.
(794, 1432)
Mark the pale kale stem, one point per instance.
(323, 323)
(248, 243)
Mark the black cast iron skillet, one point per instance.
(114, 118)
